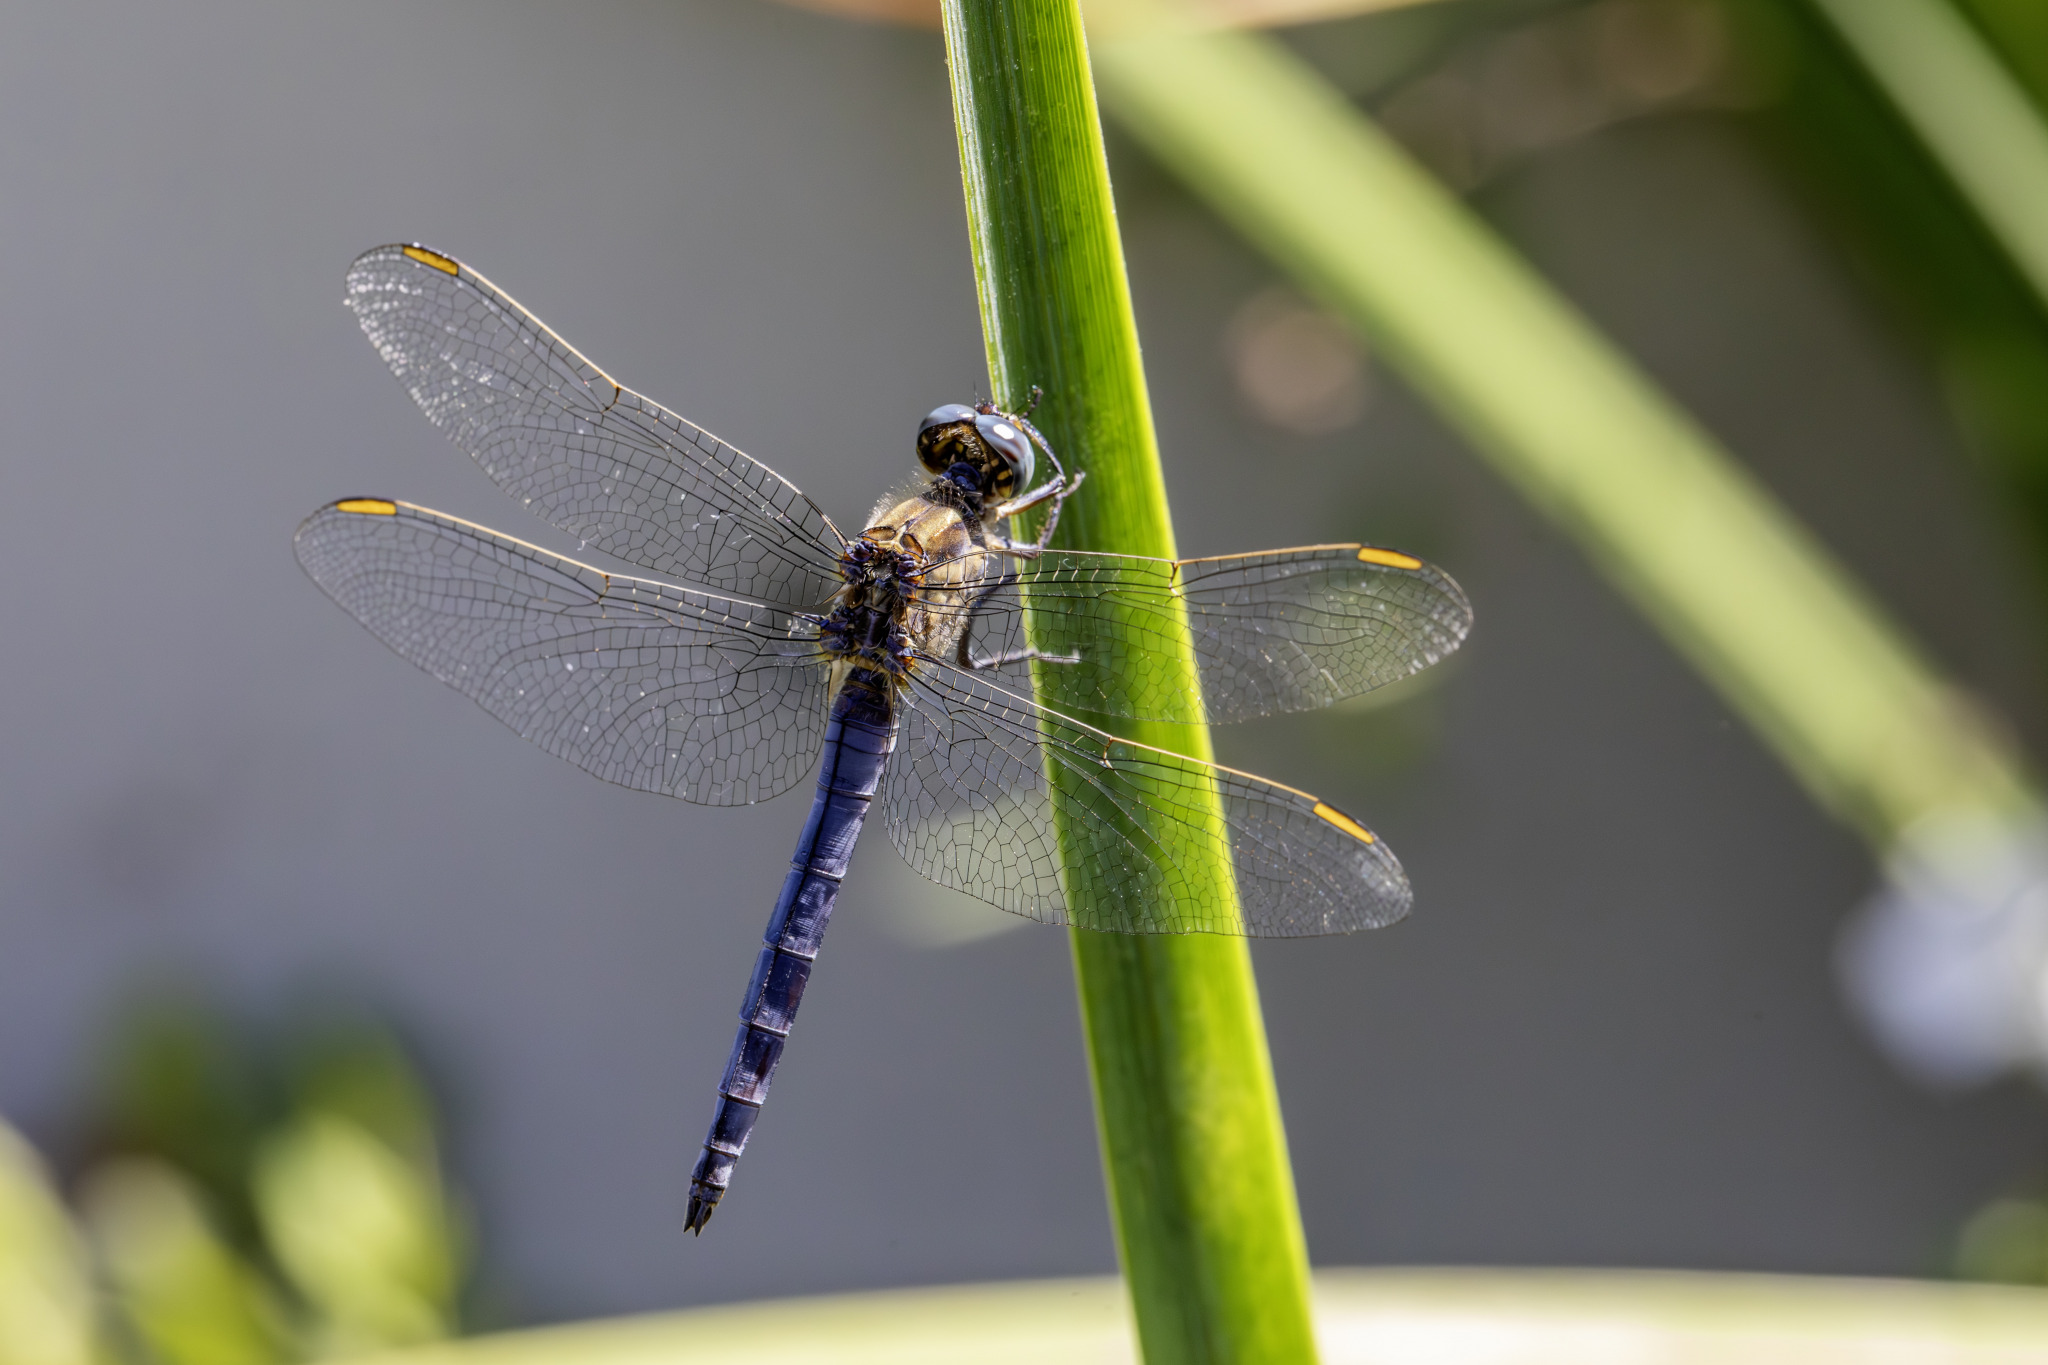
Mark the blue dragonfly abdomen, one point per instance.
(858, 739)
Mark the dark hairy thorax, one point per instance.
(908, 581)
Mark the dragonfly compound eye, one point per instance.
(1010, 445)
(945, 436)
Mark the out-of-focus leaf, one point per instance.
(186, 1294)
(46, 1299)
(2006, 1242)
(362, 1231)
(179, 1086)
(356, 1069)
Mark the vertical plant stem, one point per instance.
(1194, 1153)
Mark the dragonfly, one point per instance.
(897, 661)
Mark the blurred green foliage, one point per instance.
(187, 1296)
(254, 1197)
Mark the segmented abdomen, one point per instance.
(858, 738)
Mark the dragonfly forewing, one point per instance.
(1284, 630)
(616, 470)
(654, 687)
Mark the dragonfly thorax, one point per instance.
(869, 619)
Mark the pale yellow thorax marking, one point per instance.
(433, 258)
(1344, 822)
(1392, 559)
(368, 507)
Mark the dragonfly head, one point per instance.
(981, 449)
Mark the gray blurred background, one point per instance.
(1609, 1034)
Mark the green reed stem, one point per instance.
(1195, 1157)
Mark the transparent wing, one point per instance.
(969, 807)
(1284, 630)
(658, 688)
(616, 470)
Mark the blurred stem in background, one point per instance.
(1867, 142)
(1193, 1149)
(1967, 107)
(1676, 523)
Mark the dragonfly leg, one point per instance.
(1014, 656)
(964, 654)
(1051, 488)
(1056, 492)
